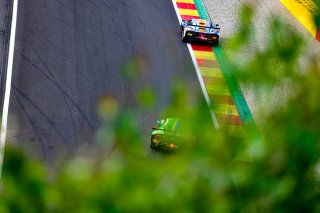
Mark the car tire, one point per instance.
(183, 37)
(215, 43)
(185, 40)
(152, 146)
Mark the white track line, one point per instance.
(8, 83)
(196, 66)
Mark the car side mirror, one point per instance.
(217, 26)
(160, 122)
(184, 23)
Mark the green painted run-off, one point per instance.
(237, 96)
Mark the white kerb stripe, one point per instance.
(8, 83)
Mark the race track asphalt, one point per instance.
(69, 54)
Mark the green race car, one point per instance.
(165, 138)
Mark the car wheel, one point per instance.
(185, 40)
(183, 37)
(152, 146)
(215, 43)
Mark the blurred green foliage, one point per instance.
(209, 176)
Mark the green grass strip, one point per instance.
(202, 9)
(238, 98)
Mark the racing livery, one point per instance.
(200, 30)
(165, 137)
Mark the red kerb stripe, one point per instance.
(229, 120)
(318, 35)
(207, 63)
(221, 99)
(188, 17)
(186, 6)
(202, 48)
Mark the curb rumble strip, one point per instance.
(215, 89)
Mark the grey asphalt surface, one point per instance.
(69, 54)
(5, 20)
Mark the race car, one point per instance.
(200, 30)
(165, 138)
